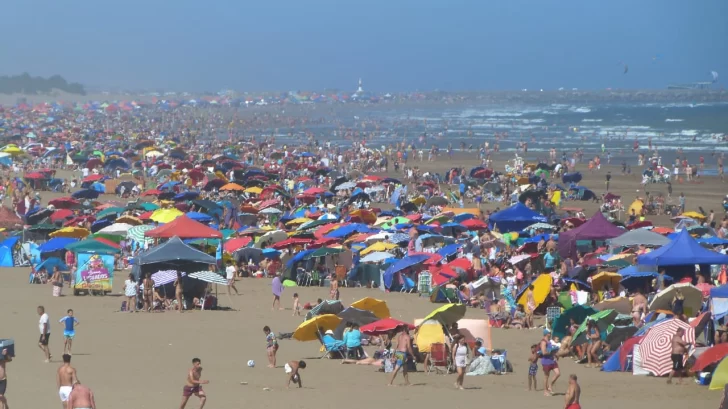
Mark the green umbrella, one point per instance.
(227, 233)
(109, 211)
(111, 237)
(578, 312)
(91, 246)
(148, 206)
(45, 227)
(447, 314)
(395, 221)
(603, 319)
(314, 223)
(136, 233)
(324, 251)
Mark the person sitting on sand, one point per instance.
(481, 364)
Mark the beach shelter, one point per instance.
(383, 326)
(447, 314)
(719, 301)
(313, 329)
(378, 307)
(709, 357)
(618, 361)
(637, 237)
(603, 319)
(682, 251)
(174, 250)
(655, 348)
(541, 290)
(637, 206)
(515, 218)
(400, 265)
(596, 228)
(720, 376)
(7, 251)
(577, 312)
(693, 298)
(185, 228)
(165, 215)
(429, 332)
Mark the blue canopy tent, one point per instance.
(6, 251)
(719, 301)
(684, 250)
(515, 218)
(52, 263)
(400, 265)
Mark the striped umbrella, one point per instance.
(136, 233)
(656, 347)
(165, 277)
(209, 277)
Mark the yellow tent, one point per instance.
(72, 232)
(378, 246)
(541, 290)
(377, 307)
(720, 376)
(428, 332)
(165, 215)
(637, 206)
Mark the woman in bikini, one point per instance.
(334, 289)
(148, 284)
(178, 290)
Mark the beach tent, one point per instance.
(515, 218)
(429, 332)
(684, 250)
(719, 301)
(577, 312)
(7, 253)
(618, 361)
(596, 228)
(637, 237)
(720, 376)
(541, 290)
(185, 228)
(174, 250)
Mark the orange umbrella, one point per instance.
(233, 187)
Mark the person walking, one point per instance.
(130, 292)
(44, 326)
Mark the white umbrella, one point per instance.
(154, 154)
(376, 257)
(346, 185)
(117, 228)
(693, 298)
(517, 259)
(541, 226)
(270, 210)
(378, 237)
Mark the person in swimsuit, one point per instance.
(179, 291)
(595, 344)
(678, 305)
(679, 350)
(573, 394)
(530, 306)
(404, 349)
(81, 398)
(639, 308)
(334, 289)
(66, 377)
(548, 363)
(533, 367)
(460, 357)
(148, 284)
(193, 386)
(271, 346)
(4, 359)
(292, 369)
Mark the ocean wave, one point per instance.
(674, 120)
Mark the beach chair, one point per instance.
(500, 362)
(439, 358)
(301, 276)
(424, 283)
(335, 348)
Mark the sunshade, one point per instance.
(165, 215)
(326, 307)
(233, 187)
(603, 320)
(378, 307)
(600, 280)
(271, 237)
(136, 233)
(116, 228)
(693, 298)
(384, 326)
(109, 211)
(165, 277)
(209, 277)
(447, 314)
(377, 247)
(376, 257)
(656, 347)
(324, 251)
(313, 329)
(710, 356)
(541, 289)
(357, 316)
(72, 232)
(577, 312)
(620, 304)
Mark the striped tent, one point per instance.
(136, 233)
(655, 348)
(209, 277)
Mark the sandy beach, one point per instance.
(140, 360)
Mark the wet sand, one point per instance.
(140, 360)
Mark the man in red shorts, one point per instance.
(193, 386)
(548, 362)
(573, 394)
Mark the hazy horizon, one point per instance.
(393, 46)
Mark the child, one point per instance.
(69, 331)
(292, 369)
(555, 346)
(296, 305)
(533, 367)
(271, 346)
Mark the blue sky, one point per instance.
(393, 45)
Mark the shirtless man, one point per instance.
(639, 308)
(4, 359)
(679, 350)
(81, 398)
(404, 349)
(573, 394)
(193, 386)
(291, 369)
(65, 378)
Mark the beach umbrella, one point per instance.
(233, 187)
(618, 335)
(110, 211)
(379, 246)
(71, 232)
(324, 251)
(437, 201)
(64, 203)
(165, 215)
(357, 316)
(620, 304)
(236, 243)
(693, 298)
(270, 210)
(384, 326)
(136, 233)
(50, 263)
(541, 290)
(517, 259)
(270, 238)
(709, 357)
(578, 312)
(61, 214)
(656, 346)
(377, 307)
(447, 314)
(376, 257)
(603, 319)
(313, 329)
(165, 277)
(119, 229)
(474, 224)
(86, 194)
(600, 280)
(326, 307)
(209, 277)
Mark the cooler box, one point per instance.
(8, 344)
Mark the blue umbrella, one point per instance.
(51, 263)
(452, 229)
(449, 250)
(400, 265)
(189, 195)
(271, 253)
(199, 217)
(85, 194)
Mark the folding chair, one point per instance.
(313, 276)
(500, 362)
(301, 276)
(440, 358)
(424, 283)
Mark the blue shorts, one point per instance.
(69, 334)
(400, 357)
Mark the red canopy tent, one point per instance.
(8, 219)
(184, 228)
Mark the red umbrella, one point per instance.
(92, 163)
(237, 243)
(61, 214)
(314, 191)
(656, 347)
(705, 288)
(383, 326)
(291, 242)
(34, 175)
(710, 356)
(93, 178)
(474, 224)
(64, 202)
(152, 192)
(79, 220)
(146, 215)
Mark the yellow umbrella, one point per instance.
(377, 307)
(236, 187)
(447, 314)
(165, 215)
(378, 246)
(134, 221)
(694, 215)
(72, 232)
(300, 220)
(541, 290)
(312, 329)
(13, 150)
(253, 189)
(605, 277)
(419, 200)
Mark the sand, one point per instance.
(140, 360)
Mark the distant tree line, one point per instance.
(25, 84)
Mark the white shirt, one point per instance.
(230, 271)
(44, 320)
